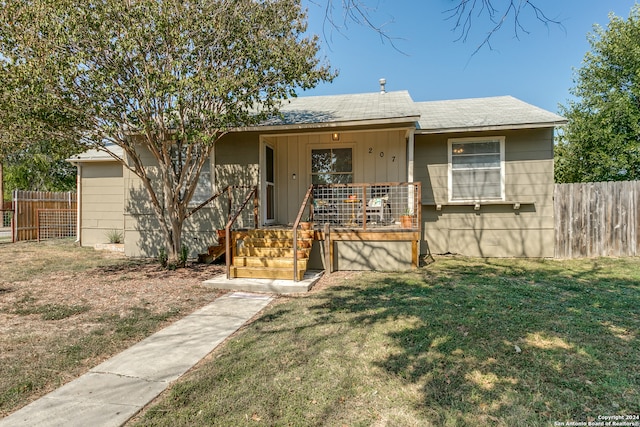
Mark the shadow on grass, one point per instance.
(519, 343)
(459, 342)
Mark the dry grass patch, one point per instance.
(461, 342)
(64, 309)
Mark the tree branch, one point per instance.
(468, 10)
(464, 14)
(359, 13)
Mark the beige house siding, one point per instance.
(143, 236)
(102, 201)
(237, 159)
(372, 255)
(496, 230)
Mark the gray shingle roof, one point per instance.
(459, 115)
(334, 109)
(95, 155)
(481, 113)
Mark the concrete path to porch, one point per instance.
(114, 391)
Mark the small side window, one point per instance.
(476, 169)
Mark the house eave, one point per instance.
(504, 127)
(410, 121)
(92, 160)
(96, 156)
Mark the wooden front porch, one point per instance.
(354, 227)
(269, 253)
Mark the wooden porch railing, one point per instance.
(232, 219)
(308, 197)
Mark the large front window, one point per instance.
(332, 166)
(476, 169)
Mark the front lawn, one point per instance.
(64, 309)
(458, 342)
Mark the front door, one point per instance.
(269, 185)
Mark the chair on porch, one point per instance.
(324, 211)
(378, 208)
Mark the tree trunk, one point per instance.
(1, 186)
(176, 231)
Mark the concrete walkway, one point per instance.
(114, 391)
(275, 286)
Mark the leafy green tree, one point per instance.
(36, 135)
(167, 78)
(601, 141)
(40, 166)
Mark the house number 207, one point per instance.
(393, 158)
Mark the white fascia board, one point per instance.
(490, 128)
(329, 125)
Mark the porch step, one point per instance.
(243, 261)
(263, 251)
(265, 273)
(268, 254)
(279, 233)
(262, 242)
(270, 233)
(213, 253)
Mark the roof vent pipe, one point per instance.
(383, 82)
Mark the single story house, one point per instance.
(474, 175)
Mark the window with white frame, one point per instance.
(476, 169)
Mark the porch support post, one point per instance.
(410, 169)
(79, 205)
(410, 154)
(328, 259)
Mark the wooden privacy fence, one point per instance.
(597, 219)
(43, 215)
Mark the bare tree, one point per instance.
(492, 14)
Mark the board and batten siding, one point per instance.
(102, 201)
(494, 230)
(378, 156)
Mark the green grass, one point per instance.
(459, 342)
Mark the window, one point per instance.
(332, 166)
(204, 189)
(476, 169)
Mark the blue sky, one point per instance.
(536, 68)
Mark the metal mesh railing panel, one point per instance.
(56, 223)
(389, 205)
(7, 216)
